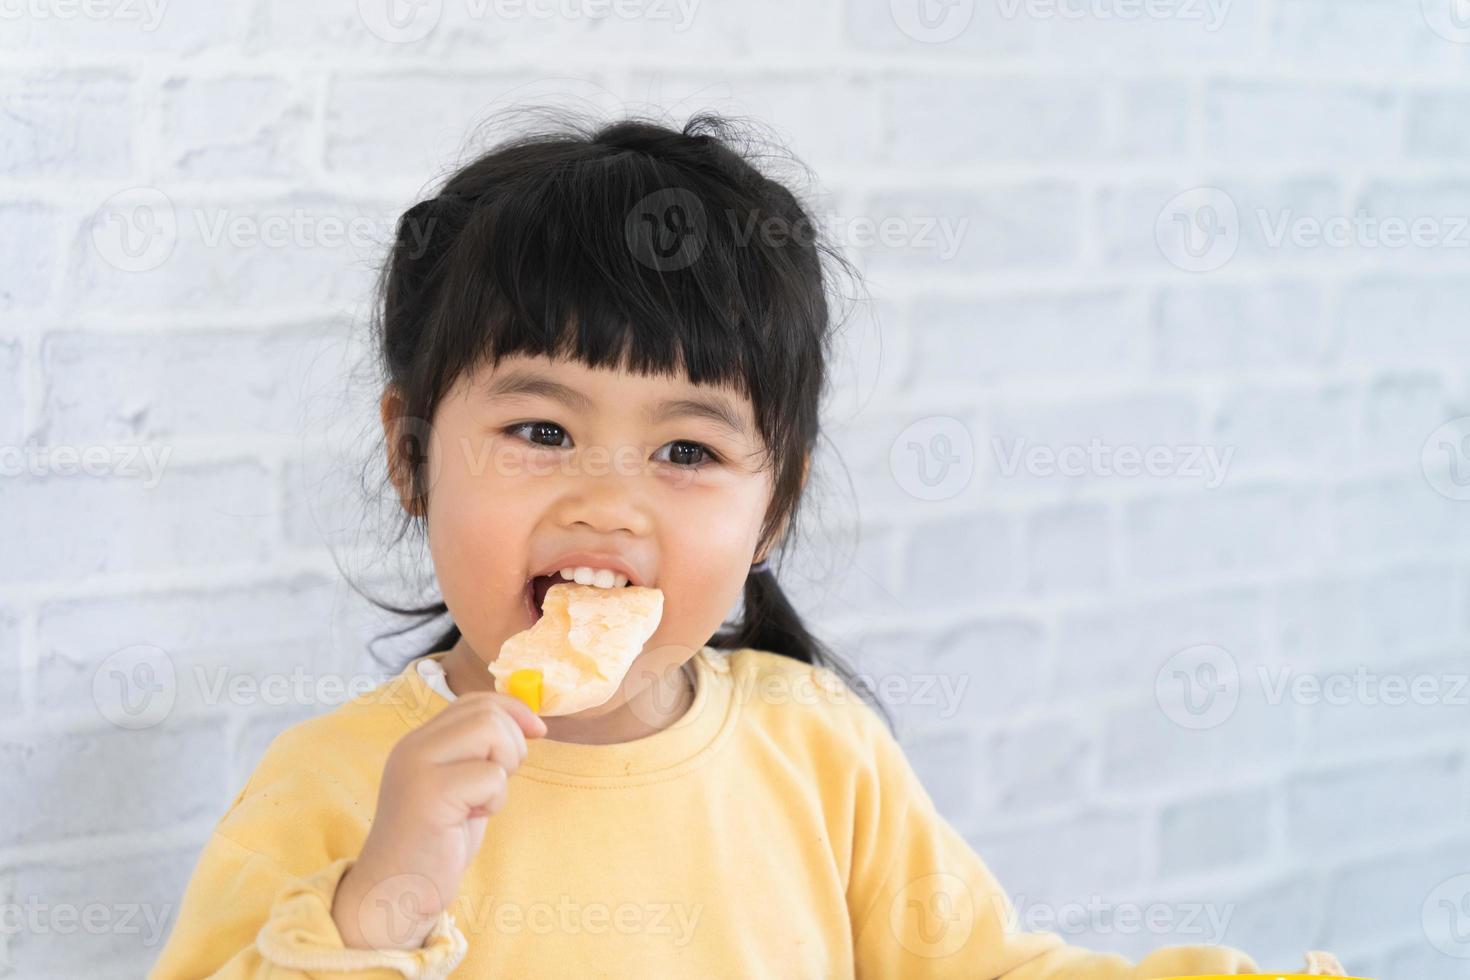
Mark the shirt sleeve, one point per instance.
(243, 916)
(926, 906)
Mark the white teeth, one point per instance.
(602, 578)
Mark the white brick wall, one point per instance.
(1031, 623)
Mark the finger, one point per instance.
(527, 720)
(473, 735)
(472, 789)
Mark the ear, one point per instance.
(390, 409)
(806, 470)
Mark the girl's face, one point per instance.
(537, 459)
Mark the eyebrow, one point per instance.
(526, 383)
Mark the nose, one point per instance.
(606, 504)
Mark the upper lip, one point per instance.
(592, 559)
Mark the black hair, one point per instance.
(625, 245)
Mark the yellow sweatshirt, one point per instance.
(775, 831)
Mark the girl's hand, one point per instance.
(441, 783)
(1324, 964)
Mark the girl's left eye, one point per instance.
(707, 458)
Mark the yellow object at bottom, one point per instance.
(526, 685)
(1258, 976)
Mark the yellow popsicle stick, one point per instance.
(526, 685)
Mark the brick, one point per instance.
(1142, 746)
(1388, 319)
(108, 780)
(298, 250)
(1285, 425)
(1253, 120)
(1425, 793)
(1137, 441)
(253, 632)
(995, 339)
(1367, 32)
(952, 562)
(1122, 647)
(1384, 618)
(956, 233)
(1092, 853)
(66, 124)
(1216, 328)
(1006, 119)
(1033, 765)
(157, 385)
(103, 918)
(78, 525)
(1218, 830)
(1256, 529)
(1369, 518)
(1067, 549)
(1438, 126)
(30, 252)
(237, 126)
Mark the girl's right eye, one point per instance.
(541, 428)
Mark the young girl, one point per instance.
(605, 351)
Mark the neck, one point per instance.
(654, 708)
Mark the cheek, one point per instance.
(478, 527)
(705, 548)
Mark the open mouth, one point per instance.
(536, 590)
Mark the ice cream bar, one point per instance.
(576, 654)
